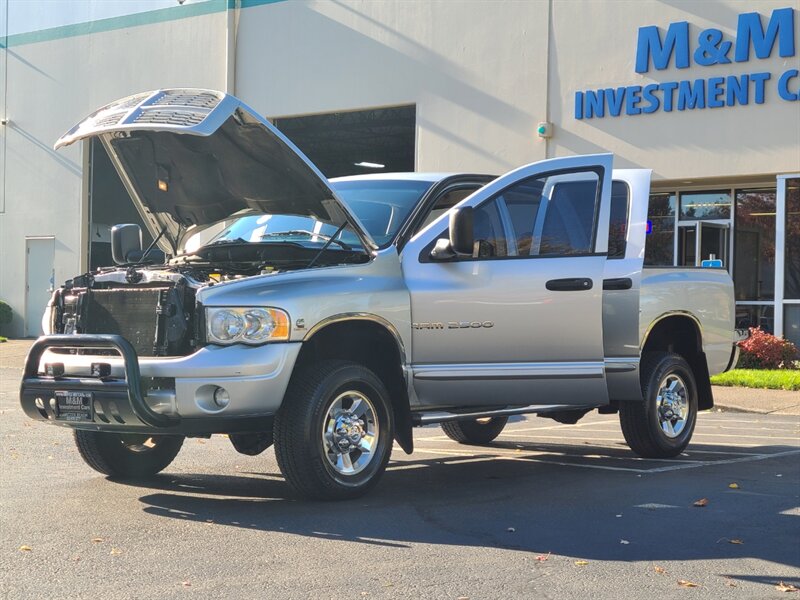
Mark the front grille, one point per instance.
(109, 120)
(129, 102)
(131, 313)
(178, 98)
(170, 117)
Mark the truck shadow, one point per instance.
(527, 503)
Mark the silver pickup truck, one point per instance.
(329, 318)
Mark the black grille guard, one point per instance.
(32, 381)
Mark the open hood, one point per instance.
(191, 157)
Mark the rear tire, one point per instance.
(476, 432)
(662, 425)
(333, 433)
(127, 456)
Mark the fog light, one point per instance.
(100, 369)
(221, 397)
(39, 403)
(54, 369)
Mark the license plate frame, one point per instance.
(75, 406)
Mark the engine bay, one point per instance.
(154, 306)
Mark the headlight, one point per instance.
(246, 325)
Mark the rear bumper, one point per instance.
(254, 377)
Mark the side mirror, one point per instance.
(126, 243)
(462, 230)
(442, 250)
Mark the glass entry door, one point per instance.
(712, 243)
(701, 241)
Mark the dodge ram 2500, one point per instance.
(329, 318)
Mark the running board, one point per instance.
(428, 418)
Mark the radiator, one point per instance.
(130, 312)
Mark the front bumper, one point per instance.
(254, 377)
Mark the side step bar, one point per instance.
(428, 418)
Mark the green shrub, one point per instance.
(5, 314)
(763, 350)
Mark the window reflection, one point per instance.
(755, 316)
(754, 267)
(706, 205)
(659, 244)
(792, 256)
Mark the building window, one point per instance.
(705, 205)
(756, 316)
(754, 267)
(791, 323)
(660, 243)
(792, 255)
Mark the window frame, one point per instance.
(416, 220)
(425, 254)
(628, 203)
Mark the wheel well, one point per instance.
(680, 334)
(374, 346)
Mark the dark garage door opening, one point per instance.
(109, 205)
(380, 140)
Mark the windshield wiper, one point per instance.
(237, 240)
(329, 239)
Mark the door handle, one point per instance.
(620, 283)
(573, 284)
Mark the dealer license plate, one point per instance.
(74, 406)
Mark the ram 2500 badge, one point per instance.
(329, 318)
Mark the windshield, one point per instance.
(381, 205)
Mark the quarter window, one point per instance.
(618, 225)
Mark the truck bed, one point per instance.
(703, 293)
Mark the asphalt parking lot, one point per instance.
(548, 511)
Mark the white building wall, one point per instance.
(52, 86)
(477, 71)
(593, 46)
(481, 73)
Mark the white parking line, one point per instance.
(530, 459)
(759, 421)
(728, 461)
(765, 429)
(685, 464)
(511, 434)
(698, 451)
(609, 442)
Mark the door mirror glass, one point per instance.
(126, 243)
(462, 230)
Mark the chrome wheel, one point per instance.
(350, 433)
(672, 403)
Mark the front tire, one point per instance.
(127, 456)
(333, 433)
(662, 425)
(476, 432)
